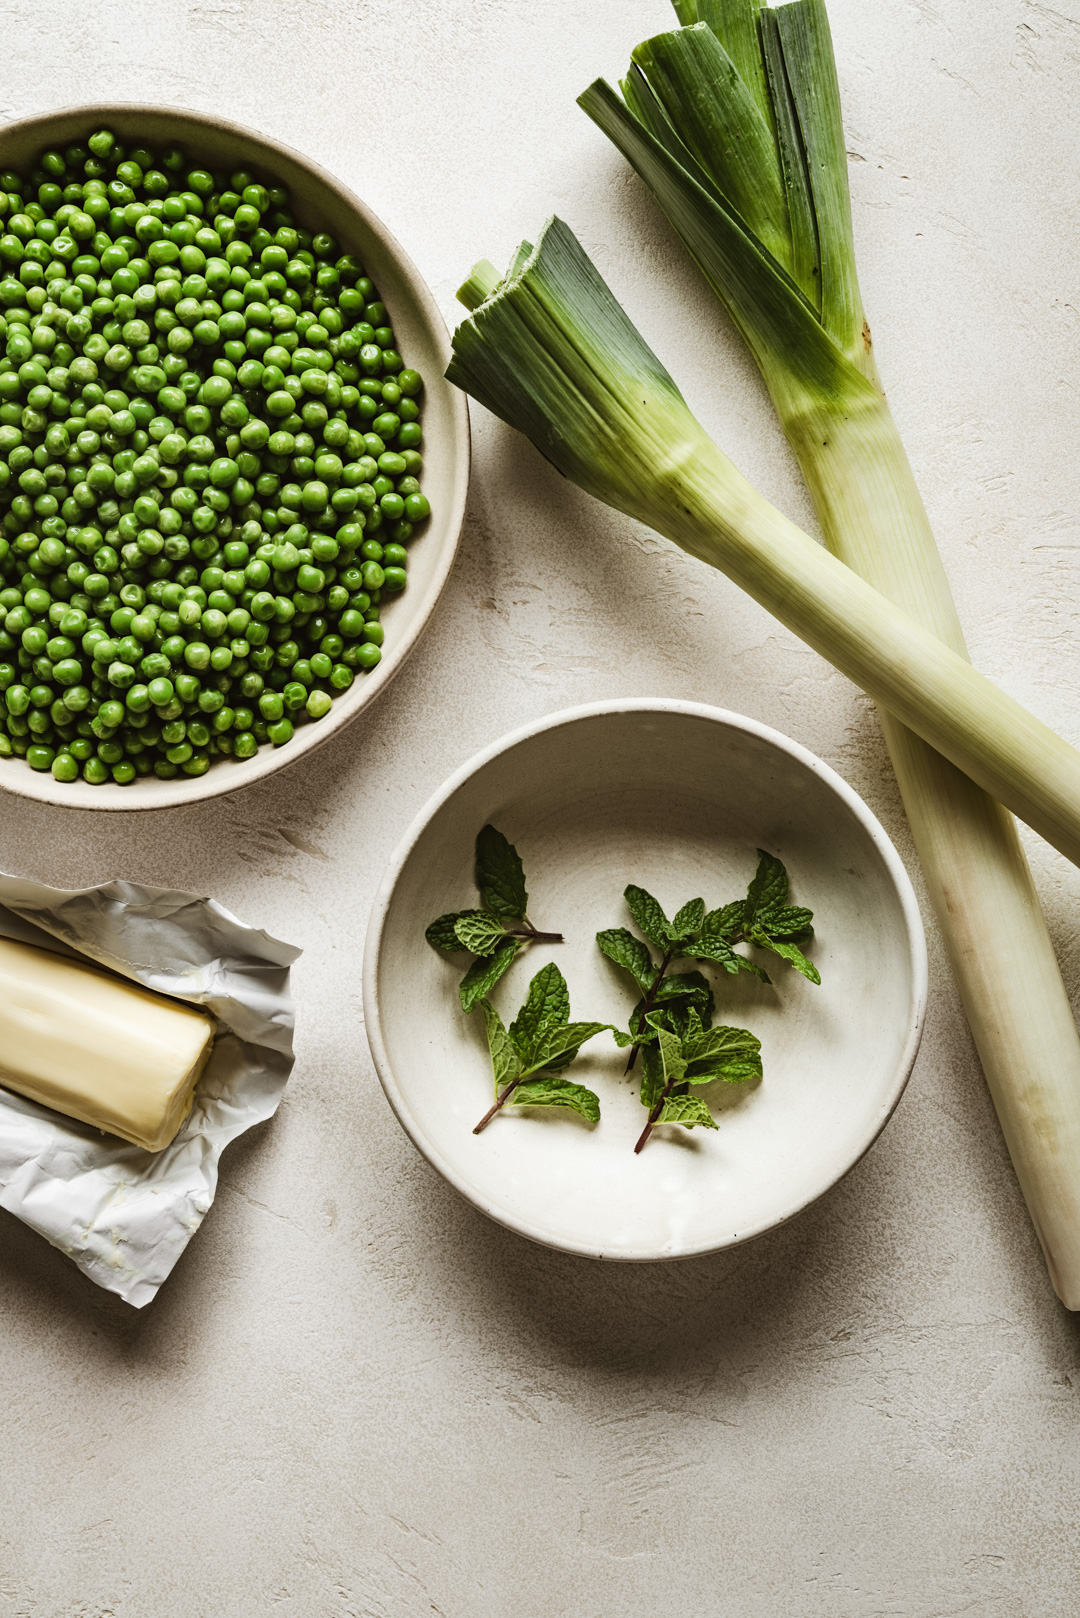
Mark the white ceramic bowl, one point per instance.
(319, 202)
(676, 797)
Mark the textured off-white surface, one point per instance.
(676, 797)
(356, 1397)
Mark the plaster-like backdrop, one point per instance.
(356, 1398)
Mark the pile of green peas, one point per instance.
(209, 462)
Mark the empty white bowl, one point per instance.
(677, 798)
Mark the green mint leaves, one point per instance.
(670, 1027)
(541, 1040)
(630, 953)
(500, 876)
(670, 1024)
(685, 1051)
(479, 932)
(500, 930)
(771, 923)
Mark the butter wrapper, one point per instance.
(122, 1214)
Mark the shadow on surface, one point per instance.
(46, 1293)
(678, 1317)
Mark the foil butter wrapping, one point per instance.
(125, 1215)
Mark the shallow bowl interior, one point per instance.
(676, 798)
(319, 202)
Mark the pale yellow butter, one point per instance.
(100, 1049)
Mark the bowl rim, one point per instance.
(912, 920)
(223, 781)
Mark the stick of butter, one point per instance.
(100, 1049)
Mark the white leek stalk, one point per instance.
(550, 351)
(720, 119)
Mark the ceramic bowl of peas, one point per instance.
(232, 475)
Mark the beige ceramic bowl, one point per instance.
(676, 798)
(319, 201)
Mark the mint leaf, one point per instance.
(714, 1044)
(688, 986)
(552, 1092)
(714, 948)
(630, 953)
(791, 922)
(731, 1054)
(727, 1072)
(505, 1062)
(547, 1006)
(441, 934)
(727, 922)
(767, 892)
(671, 1056)
(687, 921)
(650, 918)
(788, 952)
(692, 1026)
(652, 1076)
(555, 1043)
(483, 975)
(690, 1111)
(500, 875)
(479, 931)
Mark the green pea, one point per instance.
(111, 714)
(310, 579)
(64, 767)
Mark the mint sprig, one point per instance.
(671, 1023)
(499, 930)
(698, 1055)
(541, 1042)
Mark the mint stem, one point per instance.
(507, 1093)
(529, 931)
(647, 1006)
(654, 1116)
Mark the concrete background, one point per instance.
(357, 1398)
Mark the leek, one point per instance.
(694, 105)
(549, 350)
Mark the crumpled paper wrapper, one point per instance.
(122, 1214)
